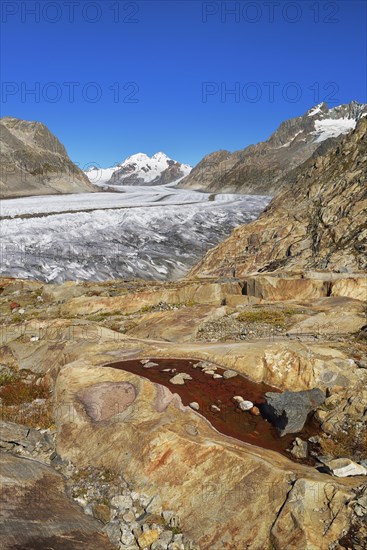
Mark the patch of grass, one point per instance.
(147, 309)
(189, 303)
(270, 317)
(18, 392)
(289, 311)
(7, 378)
(351, 443)
(79, 492)
(108, 476)
(103, 316)
(86, 473)
(35, 417)
(17, 318)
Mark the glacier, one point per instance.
(139, 232)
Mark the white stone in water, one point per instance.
(229, 374)
(179, 379)
(214, 408)
(217, 376)
(237, 399)
(150, 364)
(194, 405)
(205, 365)
(143, 361)
(166, 370)
(208, 372)
(245, 405)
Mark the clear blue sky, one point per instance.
(170, 51)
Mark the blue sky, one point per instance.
(113, 78)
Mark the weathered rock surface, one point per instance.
(217, 484)
(37, 514)
(312, 517)
(34, 162)
(155, 446)
(209, 293)
(288, 411)
(15, 437)
(103, 401)
(176, 325)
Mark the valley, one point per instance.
(186, 370)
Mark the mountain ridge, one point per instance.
(317, 222)
(34, 162)
(260, 168)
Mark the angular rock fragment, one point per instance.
(343, 467)
(288, 411)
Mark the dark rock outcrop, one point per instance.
(288, 411)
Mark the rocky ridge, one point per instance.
(34, 162)
(318, 222)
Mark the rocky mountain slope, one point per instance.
(34, 162)
(318, 222)
(140, 169)
(261, 168)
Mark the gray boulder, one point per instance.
(37, 513)
(288, 411)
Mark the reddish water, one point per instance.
(207, 391)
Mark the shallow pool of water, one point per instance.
(207, 391)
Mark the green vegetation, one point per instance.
(103, 316)
(7, 378)
(270, 317)
(36, 417)
(349, 443)
(17, 392)
(277, 317)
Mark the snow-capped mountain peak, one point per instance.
(140, 169)
(330, 123)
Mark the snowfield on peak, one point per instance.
(315, 110)
(329, 128)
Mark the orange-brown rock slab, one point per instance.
(228, 494)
